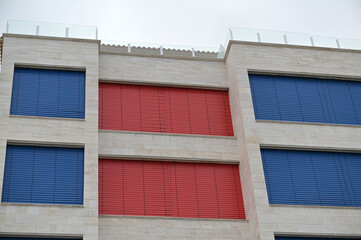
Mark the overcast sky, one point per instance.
(191, 22)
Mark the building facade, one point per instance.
(101, 143)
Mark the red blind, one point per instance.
(145, 188)
(164, 109)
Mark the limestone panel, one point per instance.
(266, 220)
(58, 220)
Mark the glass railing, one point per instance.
(289, 38)
(168, 49)
(91, 32)
(239, 34)
(52, 29)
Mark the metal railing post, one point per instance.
(338, 43)
(231, 33)
(259, 37)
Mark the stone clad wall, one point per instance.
(266, 220)
(263, 221)
(168, 147)
(39, 219)
(162, 70)
(171, 228)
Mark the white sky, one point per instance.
(191, 22)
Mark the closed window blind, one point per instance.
(306, 99)
(313, 238)
(164, 109)
(48, 93)
(312, 178)
(171, 189)
(50, 175)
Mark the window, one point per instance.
(48, 93)
(306, 99)
(164, 109)
(49, 175)
(149, 188)
(312, 178)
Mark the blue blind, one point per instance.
(50, 175)
(312, 178)
(48, 93)
(312, 238)
(306, 99)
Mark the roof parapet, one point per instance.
(165, 50)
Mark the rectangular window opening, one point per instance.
(48, 93)
(43, 175)
(301, 99)
(151, 188)
(164, 109)
(312, 178)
